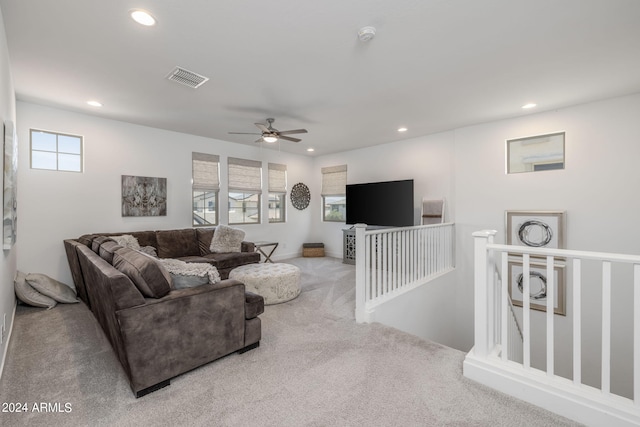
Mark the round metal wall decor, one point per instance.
(300, 196)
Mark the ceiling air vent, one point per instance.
(186, 77)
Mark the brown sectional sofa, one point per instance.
(161, 335)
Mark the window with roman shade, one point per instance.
(205, 186)
(334, 183)
(277, 192)
(245, 189)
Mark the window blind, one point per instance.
(277, 178)
(205, 172)
(245, 175)
(334, 181)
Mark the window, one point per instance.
(56, 151)
(277, 192)
(205, 187)
(245, 189)
(334, 182)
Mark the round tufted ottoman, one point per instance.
(276, 282)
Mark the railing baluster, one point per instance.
(526, 312)
(606, 327)
(577, 328)
(636, 334)
(551, 295)
(504, 303)
(383, 267)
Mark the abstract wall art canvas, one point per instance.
(144, 196)
(539, 285)
(10, 202)
(535, 229)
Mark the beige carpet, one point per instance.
(315, 367)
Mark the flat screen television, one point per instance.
(388, 203)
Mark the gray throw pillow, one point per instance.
(190, 274)
(227, 239)
(52, 288)
(30, 296)
(143, 271)
(127, 241)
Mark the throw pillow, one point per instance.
(107, 249)
(96, 242)
(30, 296)
(52, 288)
(143, 271)
(227, 239)
(149, 250)
(127, 241)
(190, 274)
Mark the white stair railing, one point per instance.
(494, 359)
(392, 261)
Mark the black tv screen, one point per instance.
(388, 203)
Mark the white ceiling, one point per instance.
(433, 65)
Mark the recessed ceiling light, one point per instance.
(402, 129)
(530, 105)
(94, 103)
(142, 17)
(310, 150)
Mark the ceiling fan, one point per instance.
(271, 134)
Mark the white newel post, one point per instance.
(482, 292)
(361, 315)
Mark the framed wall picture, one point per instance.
(144, 196)
(538, 285)
(536, 229)
(10, 203)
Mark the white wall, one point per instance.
(428, 312)
(8, 260)
(58, 205)
(599, 191)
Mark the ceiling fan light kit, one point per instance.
(270, 134)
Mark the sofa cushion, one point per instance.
(107, 249)
(127, 241)
(204, 236)
(52, 288)
(28, 295)
(86, 239)
(144, 272)
(97, 241)
(177, 243)
(233, 259)
(226, 239)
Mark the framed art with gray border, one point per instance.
(10, 203)
(144, 196)
(538, 285)
(536, 229)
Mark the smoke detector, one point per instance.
(366, 33)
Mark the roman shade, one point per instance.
(277, 178)
(245, 175)
(334, 181)
(205, 172)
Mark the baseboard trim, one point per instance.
(8, 340)
(584, 404)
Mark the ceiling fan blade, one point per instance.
(244, 133)
(291, 132)
(258, 140)
(262, 127)
(288, 138)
